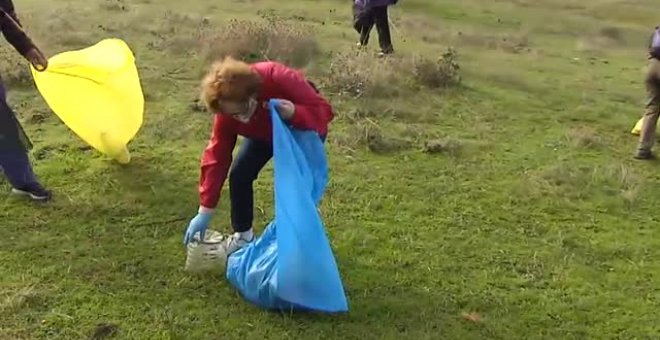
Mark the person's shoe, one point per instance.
(644, 154)
(235, 242)
(385, 52)
(34, 191)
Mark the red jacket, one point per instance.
(312, 112)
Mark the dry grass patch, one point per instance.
(271, 38)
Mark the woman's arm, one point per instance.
(216, 159)
(312, 111)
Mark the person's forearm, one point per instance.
(14, 34)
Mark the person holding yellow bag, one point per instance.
(14, 144)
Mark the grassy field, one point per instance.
(503, 206)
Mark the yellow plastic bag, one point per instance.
(96, 92)
(638, 127)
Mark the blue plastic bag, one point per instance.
(291, 266)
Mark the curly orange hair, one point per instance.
(229, 80)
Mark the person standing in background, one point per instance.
(14, 144)
(366, 14)
(652, 112)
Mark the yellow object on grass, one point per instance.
(638, 127)
(96, 92)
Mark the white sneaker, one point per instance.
(235, 242)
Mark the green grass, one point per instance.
(530, 214)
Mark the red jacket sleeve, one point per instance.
(313, 112)
(216, 159)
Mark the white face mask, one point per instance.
(243, 112)
(249, 112)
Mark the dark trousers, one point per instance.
(364, 20)
(14, 161)
(251, 158)
(652, 113)
(16, 166)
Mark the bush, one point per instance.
(270, 39)
(450, 146)
(440, 73)
(366, 133)
(114, 5)
(177, 33)
(359, 75)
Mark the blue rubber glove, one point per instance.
(198, 224)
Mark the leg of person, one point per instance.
(357, 23)
(252, 157)
(18, 170)
(383, 26)
(14, 160)
(650, 120)
(367, 23)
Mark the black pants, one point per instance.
(12, 136)
(14, 146)
(364, 20)
(245, 168)
(251, 158)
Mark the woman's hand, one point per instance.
(285, 108)
(37, 59)
(198, 225)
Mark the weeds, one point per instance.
(104, 331)
(60, 31)
(114, 5)
(584, 137)
(511, 43)
(178, 33)
(12, 302)
(367, 133)
(15, 72)
(270, 39)
(440, 73)
(376, 81)
(612, 33)
(358, 75)
(603, 39)
(452, 147)
(630, 184)
(380, 143)
(585, 182)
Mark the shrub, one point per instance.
(440, 73)
(359, 75)
(269, 39)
